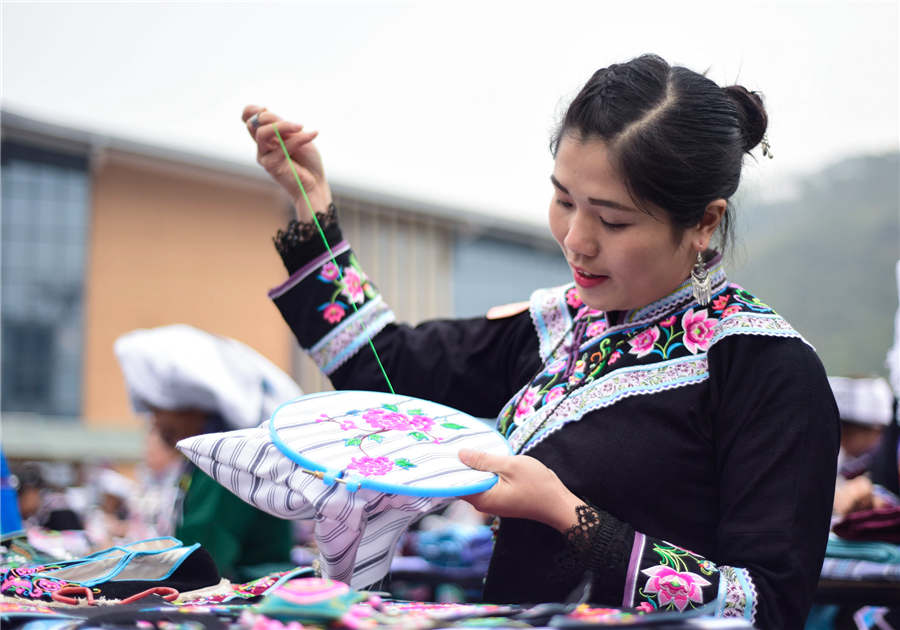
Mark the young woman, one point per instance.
(676, 439)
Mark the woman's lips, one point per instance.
(583, 279)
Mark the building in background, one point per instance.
(101, 235)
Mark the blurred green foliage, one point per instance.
(825, 259)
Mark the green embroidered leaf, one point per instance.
(418, 435)
(391, 407)
(353, 442)
(450, 425)
(404, 463)
(416, 412)
(376, 438)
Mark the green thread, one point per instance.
(328, 247)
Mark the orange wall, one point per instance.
(168, 247)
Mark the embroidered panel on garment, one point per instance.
(592, 365)
(351, 335)
(737, 594)
(673, 579)
(349, 310)
(669, 578)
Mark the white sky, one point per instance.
(450, 102)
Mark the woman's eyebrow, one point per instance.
(591, 200)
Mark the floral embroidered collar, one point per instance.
(582, 349)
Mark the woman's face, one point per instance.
(621, 257)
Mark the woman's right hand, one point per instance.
(305, 159)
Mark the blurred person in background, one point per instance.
(153, 505)
(189, 382)
(107, 520)
(42, 504)
(866, 409)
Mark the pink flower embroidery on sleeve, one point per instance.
(698, 330)
(353, 289)
(329, 271)
(333, 313)
(676, 587)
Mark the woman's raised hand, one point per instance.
(525, 489)
(305, 158)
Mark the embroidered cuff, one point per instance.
(333, 309)
(737, 594)
(600, 543)
(663, 576)
(300, 242)
(348, 338)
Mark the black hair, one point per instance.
(29, 475)
(677, 138)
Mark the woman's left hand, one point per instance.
(525, 489)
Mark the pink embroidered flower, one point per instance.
(646, 607)
(731, 310)
(554, 394)
(353, 282)
(596, 328)
(346, 425)
(615, 356)
(698, 330)
(329, 271)
(674, 586)
(371, 466)
(642, 344)
(720, 302)
(667, 322)
(333, 313)
(388, 420)
(526, 403)
(48, 585)
(557, 366)
(421, 423)
(573, 299)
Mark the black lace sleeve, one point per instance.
(599, 543)
(301, 242)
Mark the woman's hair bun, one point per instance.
(752, 112)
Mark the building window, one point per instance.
(44, 232)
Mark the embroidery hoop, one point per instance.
(307, 411)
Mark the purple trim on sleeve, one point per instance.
(298, 276)
(637, 552)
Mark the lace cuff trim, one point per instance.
(301, 241)
(600, 543)
(297, 232)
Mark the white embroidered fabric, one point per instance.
(394, 449)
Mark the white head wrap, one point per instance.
(863, 400)
(180, 367)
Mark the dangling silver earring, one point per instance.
(766, 147)
(701, 282)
